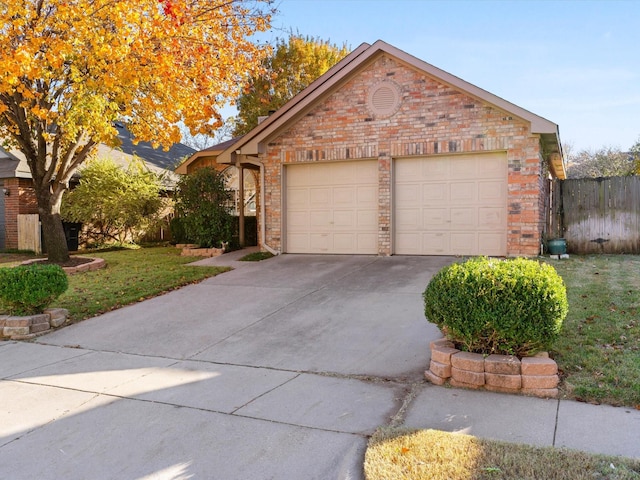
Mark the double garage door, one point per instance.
(450, 205)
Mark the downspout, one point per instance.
(263, 225)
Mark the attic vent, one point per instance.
(384, 99)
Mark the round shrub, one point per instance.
(29, 289)
(511, 307)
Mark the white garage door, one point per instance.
(455, 205)
(332, 207)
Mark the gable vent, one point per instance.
(384, 99)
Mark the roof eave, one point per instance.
(251, 144)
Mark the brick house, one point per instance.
(386, 154)
(18, 196)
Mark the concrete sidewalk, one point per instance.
(277, 369)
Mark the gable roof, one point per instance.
(252, 143)
(212, 151)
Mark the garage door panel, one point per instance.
(492, 218)
(367, 241)
(341, 208)
(344, 196)
(298, 176)
(319, 219)
(367, 196)
(408, 219)
(463, 168)
(408, 194)
(464, 243)
(435, 243)
(299, 219)
(463, 193)
(344, 219)
(434, 194)
(434, 219)
(319, 242)
(491, 191)
(367, 220)
(298, 241)
(344, 242)
(366, 172)
(491, 166)
(299, 197)
(491, 243)
(461, 198)
(319, 197)
(438, 169)
(409, 243)
(464, 218)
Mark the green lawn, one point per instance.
(598, 352)
(130, 276)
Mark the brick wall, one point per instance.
(433, 118)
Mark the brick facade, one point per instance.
(433, 118)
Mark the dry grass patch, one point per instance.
(434, 455)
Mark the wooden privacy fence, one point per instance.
(597, 215)
(29, 233)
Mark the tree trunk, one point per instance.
(55, 240)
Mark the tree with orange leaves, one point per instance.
(70, 68)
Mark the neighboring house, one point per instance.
(19, 197)
(386, 154)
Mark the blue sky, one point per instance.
(576, 63)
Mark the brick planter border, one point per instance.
(31, 326)
(537, 376)
(94, 264)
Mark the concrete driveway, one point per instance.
(279, 369)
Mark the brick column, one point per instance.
(384, 205)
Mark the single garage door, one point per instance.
(451, 205)
(332, 207)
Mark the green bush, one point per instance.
(29, 289)
(203, 204)
(498, 306)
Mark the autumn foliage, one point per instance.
(294, 64)
(70, 68)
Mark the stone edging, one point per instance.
(30, 326)
(537, 376)
(94, 264)
(191, 250)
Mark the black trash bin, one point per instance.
(72, 234)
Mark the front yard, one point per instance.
(598, 352)
(131, 276)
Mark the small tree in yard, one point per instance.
(203, 208)
(113, 203)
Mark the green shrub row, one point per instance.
(29, 289)
(498, 306)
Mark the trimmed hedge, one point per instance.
(29, 289)
(510, 307)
